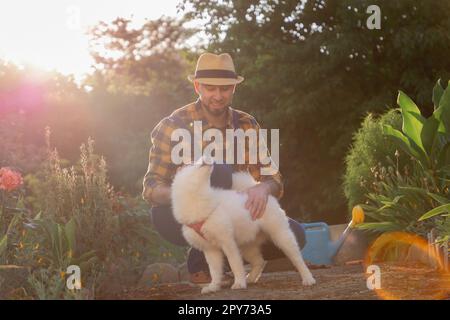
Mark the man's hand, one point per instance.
(257, 199)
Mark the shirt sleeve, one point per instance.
(160, 169)
(266, 163)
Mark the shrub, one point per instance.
(370, 148)
(83, 221)
(80, 192)
(406, 201)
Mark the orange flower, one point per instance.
(9, 179)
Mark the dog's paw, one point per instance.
(210, 288)
(308, 280)
(239, 285)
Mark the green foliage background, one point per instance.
(313, 70)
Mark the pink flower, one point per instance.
(9, 179)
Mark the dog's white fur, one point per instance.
(228, 226)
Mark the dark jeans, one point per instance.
(166, 225)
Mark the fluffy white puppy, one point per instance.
(215, 221)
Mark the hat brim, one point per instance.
(216, 81)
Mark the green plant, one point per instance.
(370, 148)
(11, 211)
(83, 221)
(427, 140)
(47, 285)
(5, 235)
(80, 194)
(50, 284)
(404, 200)
(61, 240)
(395, 202)
(137, 244)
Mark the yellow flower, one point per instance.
(357, 215)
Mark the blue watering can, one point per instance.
(319, 248)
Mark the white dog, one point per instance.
(215, 221)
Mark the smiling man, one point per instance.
(214, 82)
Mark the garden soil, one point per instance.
(398, 281)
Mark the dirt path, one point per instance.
(337, 282)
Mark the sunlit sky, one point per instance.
(46, 33)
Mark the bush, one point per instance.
(81, 220)
(399, 198)
(416, 200)
(80, 192)
(370, 148)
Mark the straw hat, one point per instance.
(215, 70)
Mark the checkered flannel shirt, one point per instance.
(161, 169)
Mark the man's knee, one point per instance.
(299, 232)
(165, 224)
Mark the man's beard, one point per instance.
(215, 112)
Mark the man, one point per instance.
(215, 82)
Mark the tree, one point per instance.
(314, 70)
(140, 77)
(148, 60)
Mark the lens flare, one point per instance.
(404, 260)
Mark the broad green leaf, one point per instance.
(405, 143)
(438, 90)
(436, 211)
(428, 134)
(412, 127)
(70, 229)
(406, 104)
(412, 119)
(443, 112)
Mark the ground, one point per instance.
(336, 282)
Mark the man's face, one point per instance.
(214, 98)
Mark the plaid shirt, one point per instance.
(161, 169)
